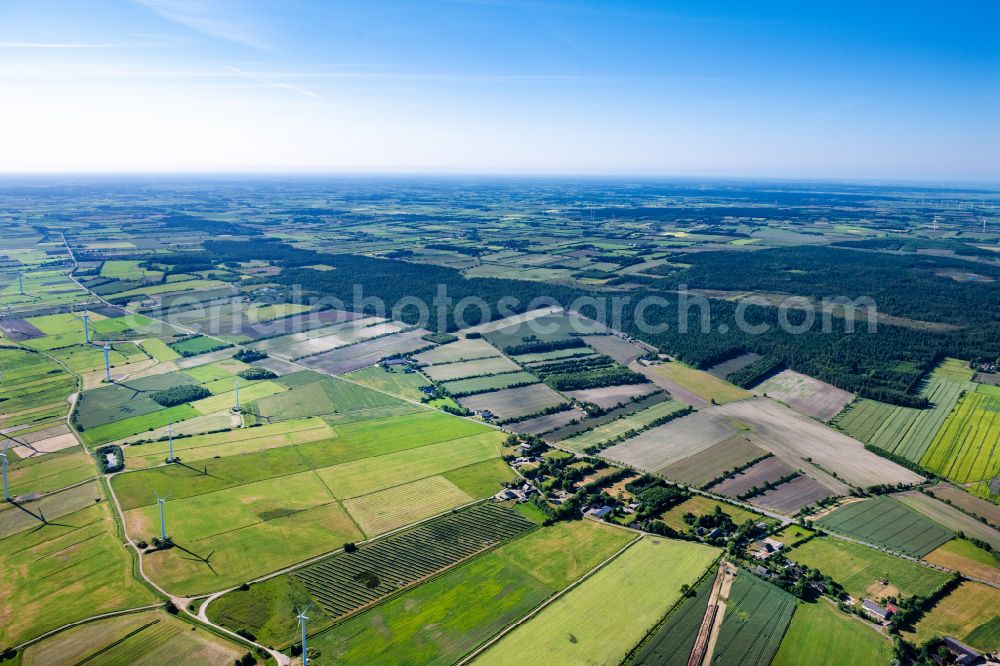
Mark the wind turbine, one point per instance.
(170, 438)
(3, 463)
(301, 614)
(984, 231)
(20, 282)
(236, 387)
(163, 522)
(107, 362)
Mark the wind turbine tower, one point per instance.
(107, 362)
(302, 622)
(3, 463)
(163, 522)
(170, 438)
(86, 327)
(236, 387)
(20, 282)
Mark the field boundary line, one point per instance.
(92, 618)
(545, 604)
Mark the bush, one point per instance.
(257, 373)
(171, 607)
(350, 547)
(178, 395)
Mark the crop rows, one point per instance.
(966, 448)
(757, 614)
(890, 523)
(903, 430)
(345, 582)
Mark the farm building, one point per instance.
(765, 548)
(966, 655)
(875, 610)
(600, 512)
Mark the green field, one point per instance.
(230, 443)
(34, 388)
(324, 395)
(702, 384)
(134, 425)
(757, 614)
(821, 635)
(967, 448)
(701, 506)
(50, 572)
(147, 638)
(461, 387)
(44, 474)
(904, 431)
(629, 595)
(859, 568)
(619, 427)
(444, 619)
(890, 523)
(368, 475)
(393, 379)
(334, 587)
(126, 270)
(671, 643)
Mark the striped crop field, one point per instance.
(967, 449)
(757, 614)
(890, 523)
(344, 582)
(904, 431)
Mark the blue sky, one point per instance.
(840, 90)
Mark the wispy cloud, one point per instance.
(225, 19)
(273, 83)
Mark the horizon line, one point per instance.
(501, 175)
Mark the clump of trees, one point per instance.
(257, 373)
(249, 355)
(178, 395)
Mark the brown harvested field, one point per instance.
(660, 447)
(621, 350)
(363, 354)
(38, 435)
(793, 437)
(791, 496)
(541, 424)
(806, 395)
(765, 471)
(486, 366)
(277, 366)
(966, 557)
(348, 335)
(726, 368)
(49, 445)
(464, 349)
(19, 329)
(511, 321)
(609, 396)
(284, 341)
(699, 469)
(515, 402)
(969, 503)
